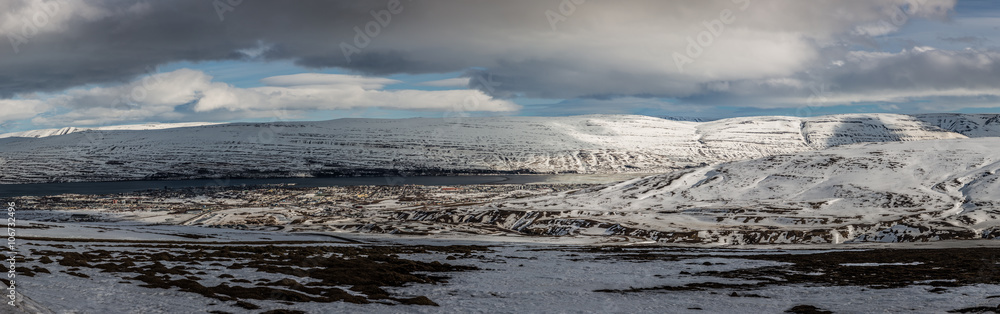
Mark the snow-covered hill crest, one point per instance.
(581, 144)
(134, 127)
(891, 192)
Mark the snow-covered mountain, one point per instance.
(582, 144)
(891, 192)
(68, 130)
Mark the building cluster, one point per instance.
(335, 201)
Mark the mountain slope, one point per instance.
(68, 130)
(916, 191)
(583, 144)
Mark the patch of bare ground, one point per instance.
(977, 309)
(807, 309)
(367, 270)
(876, 269)
(883, 268)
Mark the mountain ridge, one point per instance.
(579, 144)
(867, 192)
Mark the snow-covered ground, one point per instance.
(518, 277)
(915, 191)
(818, 185)
(582, 144)
(130, 127)
(891, 192)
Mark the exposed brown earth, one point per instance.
(367, 270)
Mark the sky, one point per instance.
(110, 62)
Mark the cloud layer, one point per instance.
(775, 53)
(192, 95)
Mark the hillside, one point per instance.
(580, 144)
(133, 127)
(888, 192)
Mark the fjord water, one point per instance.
(43, 189)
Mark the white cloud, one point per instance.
(774, 54)
(26, 19)
(17, 109)
(161, 97)
(334, 91)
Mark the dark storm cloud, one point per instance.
(116, 44)
(548, 48)
(121, 39)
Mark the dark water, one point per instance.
(42, 189)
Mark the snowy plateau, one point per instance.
(770, 180)
(881, 192)
(847, 214)
(580, 144)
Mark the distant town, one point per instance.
(275, 207)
